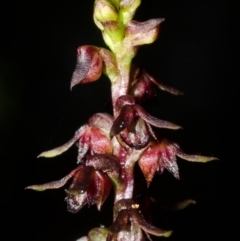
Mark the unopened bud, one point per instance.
(104, 10)
(139, 33)
(128, 8)
(88, 67)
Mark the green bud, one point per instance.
(128, 9)
(104, 10)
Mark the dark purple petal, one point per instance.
(162, 86)
(148, 228)
(151, 132)
(123, 120)
(136, 135)
(154, 121)
(81, 180)
(142, 88)
(105, 163)
(121, 221)
(99, 189)
(124, 100)
(105, 190)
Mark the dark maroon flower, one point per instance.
(133, 123)
(142, 86)
(163, 155)
(90, 187)
(92, 138)
(130, 222)
(91, 183)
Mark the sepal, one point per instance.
(88, 67)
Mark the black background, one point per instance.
(194, 52)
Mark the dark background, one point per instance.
(194, 52)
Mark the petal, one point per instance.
(99, 189)
(180, 205)
(162, 86)
(136, 135)
(154, 121)
(94, 190)
(124, 100)
(168, 157)
(54, 184)
(100, 143)
(170, 164)
(88, 67)
(195, 158)
(103, 121)
(124, 119)
(142, 87)
(59, 150)
(105, 163)
(149, 163)
(121, 221)
(96, 136)
(81, 180)
(151, 132)
(139, 219)
(105, 189)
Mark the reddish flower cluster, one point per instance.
(109, 146)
